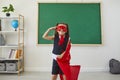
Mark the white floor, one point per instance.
(47, 76)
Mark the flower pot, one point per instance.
(7, 14)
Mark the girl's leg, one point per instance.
(64, 77)
(54, 77)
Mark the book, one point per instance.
(12, 54)
(0, 25)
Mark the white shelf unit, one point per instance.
(13, 40)
(20, 70)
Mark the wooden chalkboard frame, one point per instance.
(39, 27)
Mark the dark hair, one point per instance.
(67, 33)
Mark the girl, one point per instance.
(60, 38)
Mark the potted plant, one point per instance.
(8, 9)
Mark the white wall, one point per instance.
(95, 58)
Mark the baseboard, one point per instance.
(93, 69)
(83, 69)
(46, 69)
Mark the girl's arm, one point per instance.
(46, 36)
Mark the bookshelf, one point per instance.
(12, 51)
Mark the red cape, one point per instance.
(70, 71)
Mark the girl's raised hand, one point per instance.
(52, 28)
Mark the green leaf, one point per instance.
(4, 10)
(11, 8)
(4, 7)
(8, 9)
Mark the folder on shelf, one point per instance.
(18, 53)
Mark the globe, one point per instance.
(14, 24)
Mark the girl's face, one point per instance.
(61, 29)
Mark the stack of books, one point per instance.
(15, 53)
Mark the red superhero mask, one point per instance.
(64, 28)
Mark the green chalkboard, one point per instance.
(84, 20)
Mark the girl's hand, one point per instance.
(61, 55)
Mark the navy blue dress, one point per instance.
(57, 50)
